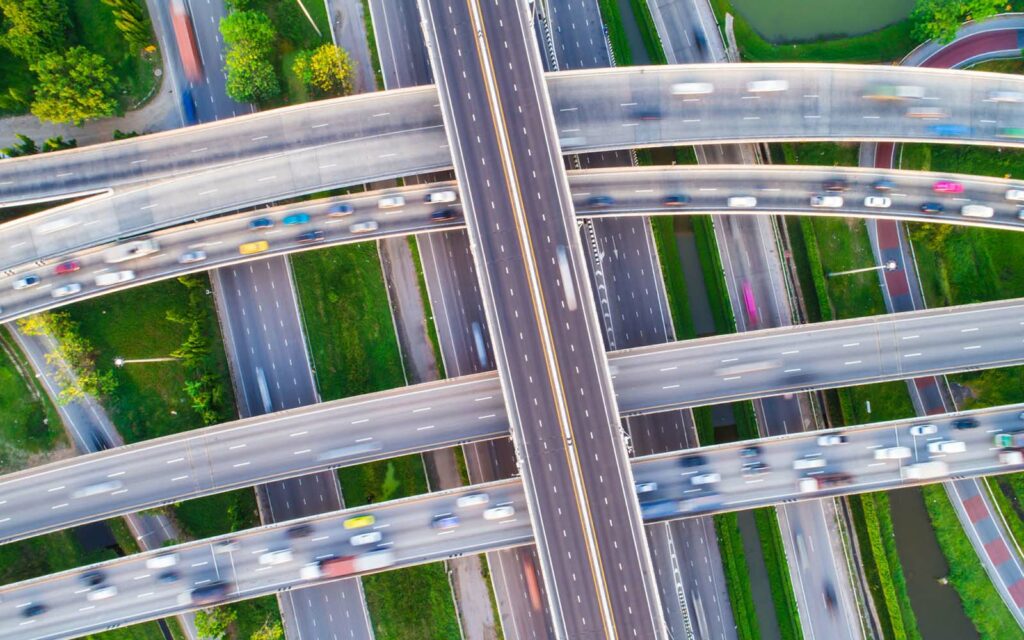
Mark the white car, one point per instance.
(831, 439)
(742, 202)
(364, 227)
(361, 539)
(116, 277)
(391, 202)
(827, 201)
(478, 499)
(877, 202)
(977, 211)
(98, 488)
(101, 592)
(646, 487)
(192, 256)
(162, 561)
(923, 429)
(705, 478)
(1011, 456)
(809, 461)
(441, 197)
(947, 446)
(1006, 96)
(767, 86)
(276, 556)
(66, 290)
(26, 282)
(1017, 195)
(692, 88)
(500, 512)
(893, 453)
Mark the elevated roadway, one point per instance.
(297, 150)
(671, 492)
(428, 416)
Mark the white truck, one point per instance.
(130, 250)
(924, 470)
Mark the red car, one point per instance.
(70, 266)
(947, 186)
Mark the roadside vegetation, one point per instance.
(428, 312)
(737, 576)
(256, 619)
(31, 432)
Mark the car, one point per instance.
(931, 207)
(832, 439)
(965, 423)
(167, 577)
(826, 201)
(1005, 96)
(927, 113)
(475, 499)
(444, 215)
(340, 210)
(101, 592)
(224, 546)
(690, 462)
(835, 184)
(92, 578)
(895, 92)
(877, 202)
(658, 509)
(809, 461)
(893, 453)
(742, 202)
(500, 512)
(66, 290)
(767, 86)
(754, 468)
(1020, 212)
(647, 114)
(1016, 195)
(66, 267)
(296, 218)
(363, 539)
(391, 202)
(675, 201)
(441, 197)
(115, 277)
(705, 478)
(34, 609)
(162, 561)
(261, 223)
(947, 186)
(923, 429)
(97, 488)
(750, 452)
(444, 521)
(299, 531)
(949, 130)
(646, 487)
(276, 556)
(190, 257)
(367, 226)
(359, 522)
(315, 235)
(947, 446)
(600, 201)
(26, 282)
(250, 248)
(977, 211)
(1010, 456)
(883, 184)
(692, 88)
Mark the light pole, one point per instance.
(890, 265)
(120, 362)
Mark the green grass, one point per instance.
(421, 281)
(663, 229)
(218, 514)
(294, 34)
(150, 400)
(737, 577)
(252, 614)
(775, 562)
(146, 631)
(616, 32)
(648, 32)
(371, 42)
(15, 77)
(982, 603)
(31, 427)
(714, 274)
(348, 322)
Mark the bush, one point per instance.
(34, 28)
(83, 378)
(73, 87)
(327, 70)
(940, 19)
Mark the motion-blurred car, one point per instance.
(358, 522)
(947, 186)
(499, 512)
(192, 256)
(66, 290)
(832, 439)
(26, 282)
(296, 218)
(923, 429)
(444, 521)
(66, 267)
(965, 423)
(261, 223)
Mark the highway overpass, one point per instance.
(428, 416)
(280, 154)
(671, 491)
(633, 191)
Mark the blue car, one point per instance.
(445, 521)
(658, 509)
(296, 218)
(261, 223)
(950, 130)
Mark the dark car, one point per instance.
(300, 531)
(932, 207)
(965, 423)
(754, 468)
(600, 201)
(835, 184)
(33, 610)
(693, 461)
(675, 201)
(261, 223)
(69, 266)
(883, 185)
(750, 452)
(340, 210)
(444, 215)
(310, 236)
(92, 578)
(168, 576)
(647, 114)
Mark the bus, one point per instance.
(261, 380)
(185, 36)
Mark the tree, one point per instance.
(327, 70)
(33, 28)
(132, 22)
(252, 30)
(940, 19)
(25, 146)
(73, 87)
(269, 631)
(57, 143)
(251, 77)
(213, 623)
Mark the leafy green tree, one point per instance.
(74, 87)
(252, 30)
(74, 360)
(251, 77)
(328, 70)
(940, 19)
(132, 22)
(58, 143)
(32, 28)
(25, 146)
(269, 631)
(213, 623)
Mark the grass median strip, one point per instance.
(737, 577)
(778, 573)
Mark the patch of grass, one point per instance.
(982, 603)
(252, 615)
(778, 573)
(348, 320)
(421, 281)
(218, 514)
(382, 481)
(821, 153)
(889, 401)
(648, 32)
(31, 425)
(737, 577)
(294, 33)
(714, 274)
(485, 570)
(616, 32)
(663, 229)
(150, 399)
(146, 631)
(1016, 65)
(371, 42)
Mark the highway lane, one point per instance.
(302, 149)
(405, 524)
(433, 415)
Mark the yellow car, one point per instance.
(358, 522)
(253, 247)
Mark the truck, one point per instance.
(341, 566)
(924, 470)
(130, 250)
(1011, 440)
(185, 36)
(188, 105)
(823, 481)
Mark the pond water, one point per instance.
(801, 20)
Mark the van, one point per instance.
(129, 250)
(923, 470)
(809, 461)
(977, 211)
(947, 446)
(116, 277)
(441, 197)
(692, 88)
(767, 86)
(826, 201)
(391, 202)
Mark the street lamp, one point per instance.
(890, 265)
(120, 362)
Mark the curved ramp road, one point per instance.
(290, 152)
(406, 529)
(634, 191)
(433, 415)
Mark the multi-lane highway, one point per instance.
(297, 150)
(433, 415)
(714, 479)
